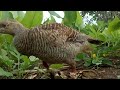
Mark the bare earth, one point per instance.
(102, 72)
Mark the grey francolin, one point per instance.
(52, 43)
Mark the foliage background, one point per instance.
(103, 25)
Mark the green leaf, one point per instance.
(26, 62)
(32, 18)
(0, 15)
(25, 59)
(50, 20)
(8, 61)
(24, 66)
(14, 13)
(69, 18)
(3, 52)
(5, 59)
(80, 56)
(11, 52)
(56, 66)
(5, 73)
(115, 24)
(79, 20)
(6, 15)
(106, 61)
(12, 48)
(1, 38)
(21, 15)
(7, 37)
(101, 37)
(96, 61)
(33, 58)
(93, 30)
(88, 62)
(54, 14)
(47, 21)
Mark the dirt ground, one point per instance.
(92, 72)
(101, 72)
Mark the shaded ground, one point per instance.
(102, 72)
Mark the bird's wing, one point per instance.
(52, 26)
(67, 34)
(55, 38)
(63, 31)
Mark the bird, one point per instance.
(53, 43)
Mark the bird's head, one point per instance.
(10, 27)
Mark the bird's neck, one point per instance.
(18, 31)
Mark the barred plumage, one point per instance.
(52, 43)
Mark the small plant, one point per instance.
(96, 58)
(12, 62)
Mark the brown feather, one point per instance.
(52, 43)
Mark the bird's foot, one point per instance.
(73, 73)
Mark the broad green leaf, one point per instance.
(56, 66)
(14, 13)
(5, 57)
(24, 66)
(8, 38)
(5, 73)
(8, 61)
(115, 24)
(106, 61)
(93, 30)
(92, 34)
(88, 62)
(32, 18)
(26, 62)
(79, 21)
(80, 56)
(96, 61)
(52, 20)
(21, 15)
(0, 15)
(25, 59)
(1, 39)
(33, 58)
(106, 32)
(1, 57)
(101, 25)
(69, 18)
(11, 52)
(3, 52)
(6, 15)
(54, 14)
(12, 48)
(101, 37)
(47, 21)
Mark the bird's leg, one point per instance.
(45, 65)
(72, 64)
(73, 68)
(73, 71)
(52, 76)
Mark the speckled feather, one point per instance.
(52, 43)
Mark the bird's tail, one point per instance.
(94, 41)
